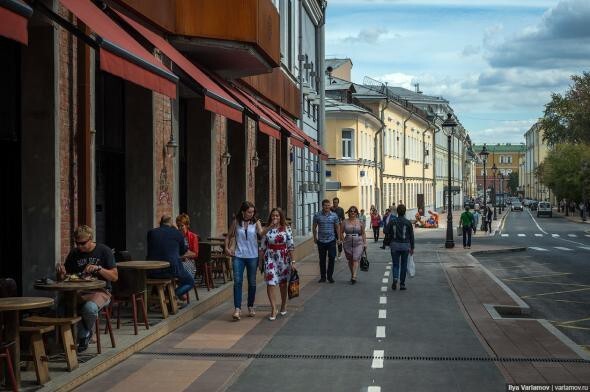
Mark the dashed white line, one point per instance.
(555, 235)
(539, 249)
(388, 267)
(374, 388)
(380, 331)
(384, 280)
(584, 247)
(538, 235)
(382, 313)
(378, 359)
(587, 235)
(562, 248)
(382, 300)
(505, 235)
(522, 235)
(383, 289)
(572, 235)
(387, 273)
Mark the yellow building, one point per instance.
(536, 152)
(506, 157)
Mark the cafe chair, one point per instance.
(136, 300)
(64, 326)
(106, 312)
(37, 350)
(204, 265)
(163, 287)
(5, 355)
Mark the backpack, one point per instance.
(399, 231)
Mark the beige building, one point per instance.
(536, 150)
(506, 157)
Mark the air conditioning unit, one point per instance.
(407, 161)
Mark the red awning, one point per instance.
(313, 146)
(120, 54)
(14, 15)
(216, 99)
(296, 139)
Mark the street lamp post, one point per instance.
(503, 193)
(484, 157)
(448, 128)
(495, 171)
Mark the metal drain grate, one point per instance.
(226, 355)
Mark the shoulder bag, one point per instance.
(364, 264)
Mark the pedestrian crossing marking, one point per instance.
(587, 235)
(522, 235)
(539, 249)
(382, 300)
(505, 235)
(538, 235)
(555, 235)
(572, 235)
(374, 388)
(562, 248)
(584, 247)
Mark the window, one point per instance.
(347, 144)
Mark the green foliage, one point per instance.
(513, 182)
(566, 170)
(567, 118)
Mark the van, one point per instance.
(544, 208)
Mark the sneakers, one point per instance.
(394, 285)
(330, 280)
(236, 315)
(251, 311)
(402, 286)
(83, 344)
(322, 280)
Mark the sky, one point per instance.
(496, 61)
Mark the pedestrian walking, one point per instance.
(241, 243)
(466, 222)
(385, 221)
(90, 259)
(326, 233)
(363, 219)
(476, 217)
(340, 212)
(488, 216)
(375, 224)
(277, 247)
(354, 241)
(401, 245)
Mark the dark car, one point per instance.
(516, 206)
(534, 205)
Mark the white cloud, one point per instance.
(506, 131)
(462, 3)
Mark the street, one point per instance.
(553, 275)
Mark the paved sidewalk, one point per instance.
(483, 338)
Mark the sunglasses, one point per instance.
(82, 243)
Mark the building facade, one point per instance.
(536, 150)
(506, 157)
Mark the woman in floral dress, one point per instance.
(277, 245)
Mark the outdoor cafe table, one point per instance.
(142, 266)
(70, 290)
(10, 308)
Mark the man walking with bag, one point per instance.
(401, 233)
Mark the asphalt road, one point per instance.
(553, 275)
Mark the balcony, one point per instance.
(233, 38)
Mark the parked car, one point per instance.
(544, 208)
(516, 206)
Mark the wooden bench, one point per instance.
(64, 325)
(38, 355)
(163, 286)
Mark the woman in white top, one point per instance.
(242, 244)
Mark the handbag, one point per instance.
(293, 289)
(459, 231)
(364, 261)
(411, 266)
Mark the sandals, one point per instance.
(251, 311)
(273, 315)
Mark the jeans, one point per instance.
(395, 258)
(466, 236)
(89, 314)
(376, 233)
(330, 248)
(185, 281)
(250, 265)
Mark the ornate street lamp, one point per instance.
(495, 171)
(448, 128)
(501, 175)
(484, 157)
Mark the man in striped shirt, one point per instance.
(326, 228)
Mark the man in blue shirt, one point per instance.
(326, 228)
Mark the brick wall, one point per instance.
(163, 163)
(67, 128)
(220, 170)
(272, 174)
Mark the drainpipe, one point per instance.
(300, 59)
(404, 161)
(436, 130)
(378, 151)
(429, 128)
(320, 43)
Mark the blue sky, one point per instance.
(496, 61)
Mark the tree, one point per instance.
(513, 182)
(567, 117)
(565, 171)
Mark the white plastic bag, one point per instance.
(411, 266)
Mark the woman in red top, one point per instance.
(192, 242)
(375, 223)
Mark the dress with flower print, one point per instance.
(276, 244)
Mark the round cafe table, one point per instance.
(141, 267)
(10, 307)
(70, 290)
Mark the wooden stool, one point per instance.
(64, 325)
(219, 261)
(108, 327)
(162, 285)
(135, 299)
(5, 354)
(39, 357)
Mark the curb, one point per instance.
(505, 250)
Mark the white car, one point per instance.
(544, 208)
(516, 206)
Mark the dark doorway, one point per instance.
(262, 176)
(236, 171)
(110, 161)
(420, 202)
(10, 163)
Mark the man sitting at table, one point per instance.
(166, 243)
(89, 259)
